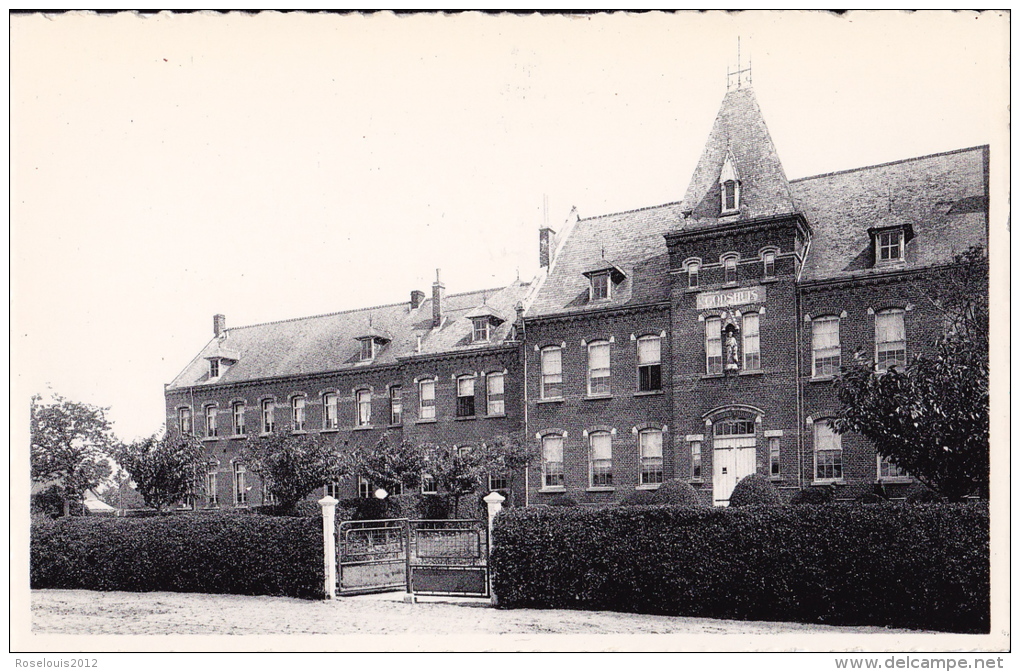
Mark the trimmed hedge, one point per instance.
(639, 498)
(813, 496)
(243, 555)
(889, 565)
(678, 492)
(755, 490)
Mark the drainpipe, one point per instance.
(527, 435)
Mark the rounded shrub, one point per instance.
(813, 496)
(755, 490)
(434, 507)
(562, 500)
(677, 492)
(869, 498)
(639, 498)
(923, 495)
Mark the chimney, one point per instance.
(219, 324)
(545, 239)
(437, 301)
(417, 297)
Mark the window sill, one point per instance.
(692, 290)
(362, 428)
(768, 281)
(238, 437)
(394, 425)
(601, 488)
(828, 481)
(426, 421)
(553, 488)
(299, 431)
(330, 430)
(210, 438)
(495, 415)
(776, 479)
(696, 481)
(821, 379)
(648, 486)
(712, 375)
(266, 433)
(596, 397)
(462, 418)
(896, 480)
(648, 393)
(727, 285)
(752, 372)
(550, 400)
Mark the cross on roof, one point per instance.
(741, 76)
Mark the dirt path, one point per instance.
(80, 612)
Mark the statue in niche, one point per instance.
(730, 343)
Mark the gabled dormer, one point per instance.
(371, 341)
(603, 277)
(889, 242)
(483, 321)
(729, 188)
(220, 359)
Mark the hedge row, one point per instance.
(244, 555)
(923, 567)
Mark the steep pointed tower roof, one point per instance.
(739, 146)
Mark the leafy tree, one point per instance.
(163, 468)
(71, 442)
(293, 466)
(458, 471)
(388, 463)
(508, 456)
(931, 417)
(120, 493)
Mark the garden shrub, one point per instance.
(244, 555)
(922, 566)
(434, 507)
(677, 492)
(365, 508)
(561, 500)
(823, 495)
(922, 495)
(639, 498)
(869, 498)
(755, 490)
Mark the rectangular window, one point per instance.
(297, 414)
(649, 354)
(480, 329)
(428, 485)
(650, 445)
(600, 286)
(552, 373)
(268, 421)
(713, 346)
(465, 397)
(330, 415)
(184, 421)
(730, 271)
(890, 340)
(695, 460)
(774, 456)
(890, 245)
(497, 482)
(396, 405)
(752, 352)
(238, 415)
(693, 279)
(210, 421)
(211, 485)
(601, 464)
(367, 349)
(825, 352)
(769, 264)
(552, 461)
(427, 400)
(364, 488)
(240, 485)
(364, 399)
(214, 368)
(598, 368)
(729, 195)
(828, 453)
(888, 469)
(494, 394)
(268, 498)
(333, 490)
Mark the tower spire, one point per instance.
(735, 79)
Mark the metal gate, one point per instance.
(429, 557)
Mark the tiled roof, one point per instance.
(326, 343)
(634, 242)
(941, 197)
(739, 131)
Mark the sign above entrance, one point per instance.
(731, 297)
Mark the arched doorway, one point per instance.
(734, 450)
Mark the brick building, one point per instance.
(693, 340)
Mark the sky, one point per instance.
(165, 168)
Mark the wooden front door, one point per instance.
(733, 458)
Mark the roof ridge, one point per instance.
(890, 163)
(358, 310)
(625, 212)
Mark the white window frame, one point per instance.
(895, 474)
(600, 385)
(750, 341)
(240, 484)
(212, 471)
(881, 316)
(645, 362)
(364, 488)
(825, 352)
(466, 391)
(184, 423)
(729, 269)
(835, 449)
(596, 281)
(330, 410)
(697, 466)
(428, 485)
(480, 329)
(651, 466)
(298, 417)
(775, 464)
(214, 368)
(427, 405)
(550, 378)
(730, 188)
(268, 416)
(211, 430)
(600, 469)
(709, 341)
(495, 401)
(396, 395)
(884, 242)
(768, 264)
(237, 416)
(557, 475)
(363, 407)
(694, 275)
(497, 482)
(368, 343)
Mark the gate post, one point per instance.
(494, 503)
(328, 505)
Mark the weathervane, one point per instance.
(739, 73)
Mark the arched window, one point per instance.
(730, 270)
(364, 403)
(465, 396)
(240, 485)
(297, 414)
(693, 270)
(330, 416)
(268, 416)
(751, 342)
(184, 421)
(890, 339)
(210, 421)
(768, 261)
(828, 453)
(237, 413)
(212, 483)
(649, 356)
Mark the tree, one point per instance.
(388, 463)
(458, 471)
(292, 466)
(164, 468)
(931, 417)
(71, 442)
(508, 456)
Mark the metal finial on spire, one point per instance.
(735, 79)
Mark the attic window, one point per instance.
(890, 243)
(729, 188)
(600, 286)
(214, 368)
(729, 196)
(480, 329)
(602, 277)
(483, 319)
(367, 349)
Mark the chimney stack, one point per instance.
(437, 301)
(417, 297)
(545, 237)
(219, 324)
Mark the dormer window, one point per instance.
(890, 243)
(483, 319)
(602, 278)
(371, 341)
(214, 368)
(367, 349)
(480, 329)
(600, 286)
(729, 188)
